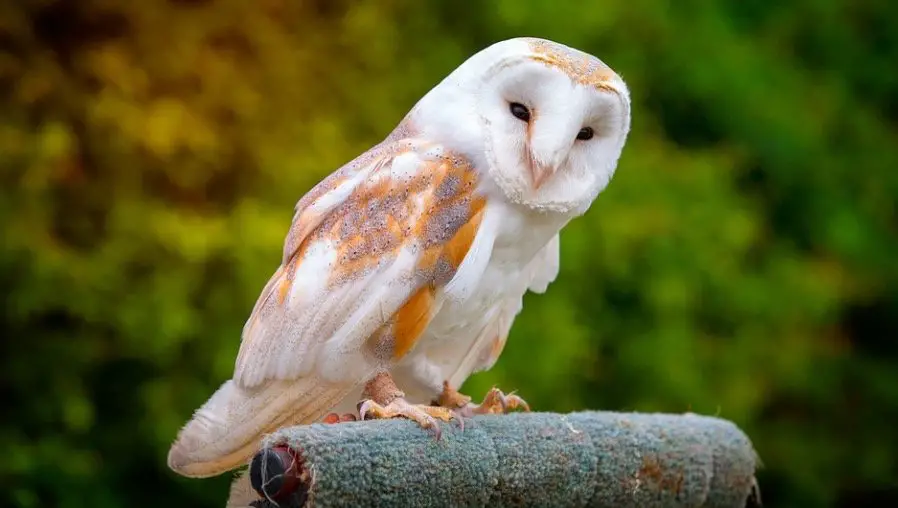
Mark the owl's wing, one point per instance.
(543, 270)
(365, 253)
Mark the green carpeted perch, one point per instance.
(601, 459)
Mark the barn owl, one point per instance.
(403, 270)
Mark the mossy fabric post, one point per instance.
(584, 459)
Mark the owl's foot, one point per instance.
(495, 402)
(382, 399)
(425, 416)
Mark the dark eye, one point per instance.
(520, 111)
(585, 133)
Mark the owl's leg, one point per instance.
(382, 399)
(495, 402)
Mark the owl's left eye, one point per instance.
(585, 133)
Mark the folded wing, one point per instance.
(366, 252)
(377, 240)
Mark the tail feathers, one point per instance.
(226, 431)
(242, 493)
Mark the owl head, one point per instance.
(546, 121)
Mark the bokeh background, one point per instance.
(742, 262)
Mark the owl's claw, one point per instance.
(423, 415)
(460, 418)
(495, 402)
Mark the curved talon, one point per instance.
(438, 432)
(366, 407)
(457, 415)
(514, 402)
(503, 401)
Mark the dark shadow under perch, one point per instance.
(601, 459)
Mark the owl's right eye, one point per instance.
(520, 111)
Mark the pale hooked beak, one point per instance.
(541, 171)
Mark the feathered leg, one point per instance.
(381, 398)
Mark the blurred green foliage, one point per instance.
(742, 262)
